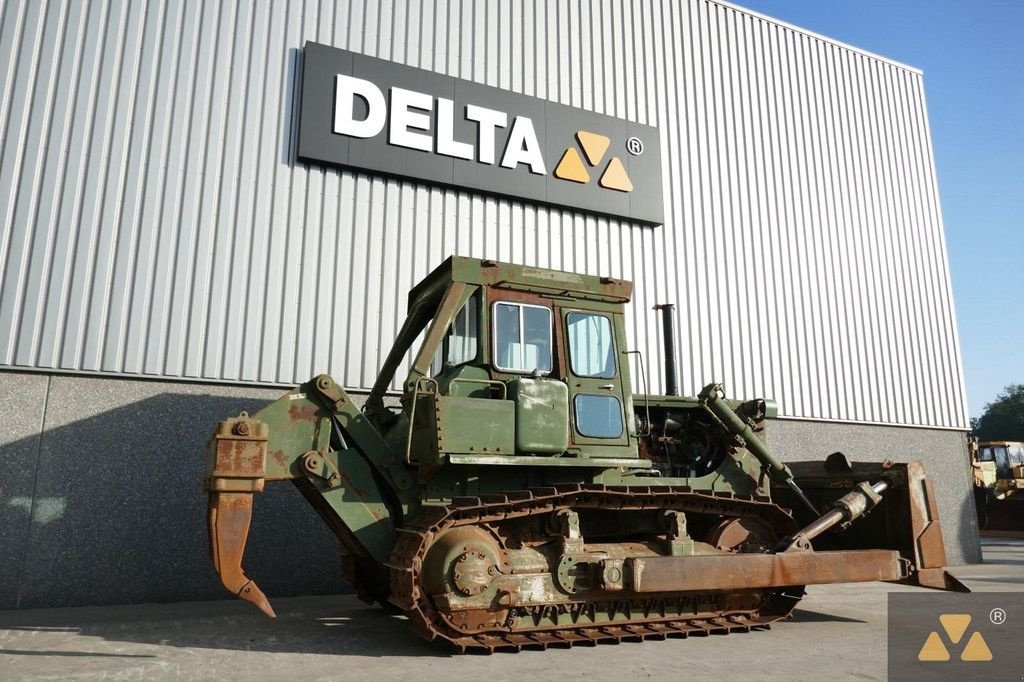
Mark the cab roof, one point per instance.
(520, 278)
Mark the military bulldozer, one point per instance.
(521, 495)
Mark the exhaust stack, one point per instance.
(668, 326)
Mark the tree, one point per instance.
(1003, 418)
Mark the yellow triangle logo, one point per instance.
(571, 167)
(933, 649)
(976, 649)
(615, 177)
(955, 625)
(594, 146)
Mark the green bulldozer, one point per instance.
(521, 494)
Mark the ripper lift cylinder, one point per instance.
(714, 402)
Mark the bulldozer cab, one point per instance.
(515, 361)
(1004, 455)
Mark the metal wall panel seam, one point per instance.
(851, 273)
(250, 176)
(111, 205)
(881, 236)
(785, 336)
(746, 266)
(187, 123)
(941, 263)
(839, 278)
(866, 402)
(760, 363)
(12, 29)
(929, 280)
(822, 277)
(221, 285)
(930, 323)
(263, 341)
(26, 331)
(137, 344)
(51, 185)
(904, 273)
(12, 155)
(795, 302)
(154, 327)
(110, 351)
(75, 324)
(823, 308)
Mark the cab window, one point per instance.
(598, 416)
(591, 345)
(522, 337)
(463, 335)
(462, 339)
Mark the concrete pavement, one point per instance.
(839, 632)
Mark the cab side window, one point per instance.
(462, 340)
(522, 337)
(464, 334)
(591, 347)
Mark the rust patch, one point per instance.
(302, 412)
(279, 457)
(239, 458)
(228, 518)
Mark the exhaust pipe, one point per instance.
(668, 326)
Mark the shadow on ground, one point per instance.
(335, 625)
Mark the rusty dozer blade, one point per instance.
(229, 517)
(906, 519)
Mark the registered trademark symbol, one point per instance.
(634, 146)
(997, 616)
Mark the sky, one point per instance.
(972, 56)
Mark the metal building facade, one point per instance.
(155, 221)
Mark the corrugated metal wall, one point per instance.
(155, 223)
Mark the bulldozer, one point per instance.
(997, 468)
(520, 495)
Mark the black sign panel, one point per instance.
(379, 116)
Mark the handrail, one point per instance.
(412, 412)
(647, 394)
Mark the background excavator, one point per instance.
(523, 496)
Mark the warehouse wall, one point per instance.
(100, 499)
(157, 224)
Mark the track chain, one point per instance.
(416, 537)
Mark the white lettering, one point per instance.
(446, 142)
(405, 119)
(523, 147)
(488, 120)
(410, 124)
(346, 89)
